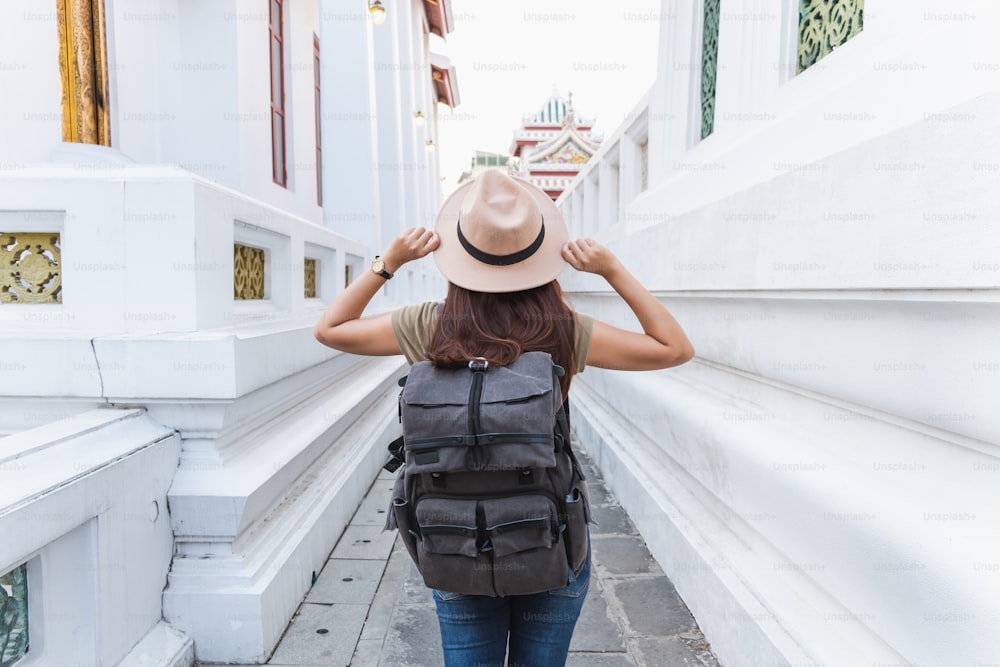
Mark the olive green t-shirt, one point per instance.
(413, 326)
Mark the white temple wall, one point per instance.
(30, 72)
(820, 481)
(97, 545)
(189, 84)
(275, 437)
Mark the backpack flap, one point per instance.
(497, 419)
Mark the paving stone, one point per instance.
(626, 554)
(387, 595)
(304, 644)
(611, 519)
(652, 606)
(670, 652)
(365, 542)
(595, 631)
(599, 494)
(600, 660)
(372, 511)
(415, 591)
(414, 639)
(350, 581)
(367, 653)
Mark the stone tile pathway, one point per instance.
(369, 607)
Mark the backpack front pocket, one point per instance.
(523, 534)
(448, 526)
(448, 550)
(520, 523)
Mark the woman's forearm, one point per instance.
(336, 326)
(654, 318)
(351, 303)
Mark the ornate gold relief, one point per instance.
(310, 269)
(824, 25)
(30, 267)
(83, 63)
(248, 272)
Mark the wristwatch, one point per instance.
(378, 267)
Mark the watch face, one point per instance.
(378, 266)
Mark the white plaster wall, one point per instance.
(189, 85)
(29, 72)
(300, 92)
(149, 249)
(147, 102)
(265, 487)
(820, 482)
(148, 316)
(86, 499)
(350, 190)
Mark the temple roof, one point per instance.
(552, 126)
(553, 113)
(570, 146)
(553, 145)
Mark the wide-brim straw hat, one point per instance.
(500, 233)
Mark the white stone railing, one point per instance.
(820, 481)
(83, 501)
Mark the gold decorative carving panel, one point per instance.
(248, 272)
(310, 269)
(824, 25)
(83, 64)
(30, 267)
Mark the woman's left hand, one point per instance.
(414, 243)
(589, 256)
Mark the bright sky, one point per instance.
(510, 55)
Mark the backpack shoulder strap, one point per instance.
(563, 427)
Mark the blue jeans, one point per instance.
(475, 628)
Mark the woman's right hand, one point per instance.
(589, 256)
(414, 243)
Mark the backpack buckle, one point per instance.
(479, 364)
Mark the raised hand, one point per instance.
(591, 257)
(414, 243)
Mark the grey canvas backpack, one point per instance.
(490, 499)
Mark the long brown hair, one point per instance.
(499, 326)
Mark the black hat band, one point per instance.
(501, 260)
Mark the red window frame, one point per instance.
(319, 135)
(279, 147)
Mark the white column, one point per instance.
(350, 143)
(393, 122)
(607, 213)
(409, 61)
(675, 96)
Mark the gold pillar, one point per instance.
(83, 64)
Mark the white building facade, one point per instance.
(811, 188)
(183, 187)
